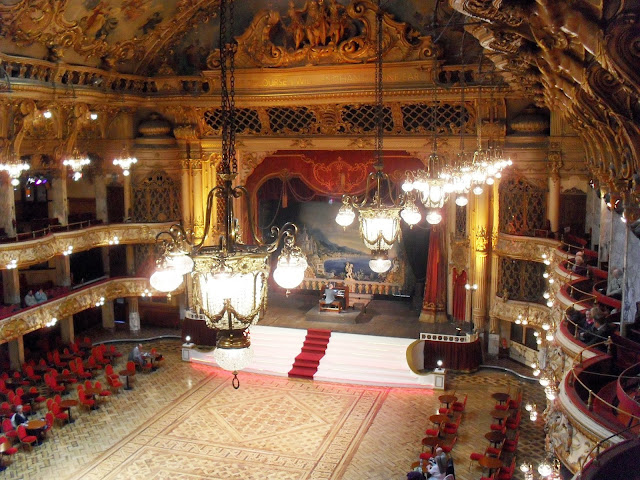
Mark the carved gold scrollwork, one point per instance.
(326, 33)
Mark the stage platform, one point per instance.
(349, 315)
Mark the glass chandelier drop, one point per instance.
(229, 279)
(14, 168)
(76, 163)
(379, 220)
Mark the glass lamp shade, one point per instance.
(411, 214)
(166, 279)
(434, 217)
(380, 227)
(290, 269)
(477, 190)
(545, 469)
(433, 194)
(181, 262)
(380, 265)
(461, 200)
(233, 359)
(231, 288)
(345, 216)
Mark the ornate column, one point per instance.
(481, 232)
(494, 322)
(185, 193)
(16, 353)
(554, 160)
(108, 316)
(102, 214)
(128, 212)
(7, 206)
(434, 302)
(63, 271)
(631, 275)
(66, 329)
(59, 205)
(198, 211)
(134, 315)
(11, 286)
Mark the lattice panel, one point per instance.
(522, 207)
(419, 118)
(220, 202)
(291, 120)
(156, 198)
(362, 118)
(461, 221)
(247, 120)
(521, 280)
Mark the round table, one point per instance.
(490, 462)
(438, 419)
(431, 442)
(126, 374)
(66, 405)
(6, 412)
(500, 397)
(36, 427)
(495, 437)
(447, 399)
(500, 415)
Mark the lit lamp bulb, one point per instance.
(545, 275)
(345, 216)
(549, 336)
(411, 214)
(549, 303)
(188, 338)
(519, 320)
(462, 200)
(380, 264)
(434, 217)
(546, 326)
(544, 381)
(477, 190)
(290, 269)
(545, 469)
(166, 279)
(546, 295)
(439, 363)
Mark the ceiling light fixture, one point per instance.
(229, 278)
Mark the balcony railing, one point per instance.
(83, 236)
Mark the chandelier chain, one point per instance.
(378, 88)
(227, 87)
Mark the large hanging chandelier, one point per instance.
(379, 220)
(228, 279)
(14, 168)
(125, 161)
(76, 163)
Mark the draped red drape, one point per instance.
(328, 173)
(435, 288)
(459, 295)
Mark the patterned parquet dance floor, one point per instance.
(187, 422)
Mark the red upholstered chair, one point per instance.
(513, 424)
(18, 401)
(103, 393)
(9, 450)
(497, 426)
(26, 440)
(17, 377)
(58, 414)
(426, 455)
(494, 451)
(39, 398)
(91, 362)
(56, 360)
(88, 384)
(49, 403)
(505, 473)
(49, 419)
(444, 411)
(8, 429)
(57, 399)
(114, 384)
(3, 388)
(501, 406)
(108, 372)
(510, 445)
(114, 352)
(474, 457)
(432, 432)
(131, 366)
(81, 371)
(460, 406)
(446, 448)
(31, 374)
(84, 401)
(514, 403)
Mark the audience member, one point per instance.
(601, 332)
(137, 355)
(18, 418)
(40, 296)
(30, 299)
(579, 267)
(437, 468)
(415, 475)
(614, 284)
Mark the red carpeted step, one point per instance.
(313, 349)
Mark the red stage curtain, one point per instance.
(435, 288)
(459, 295)
(465, 357)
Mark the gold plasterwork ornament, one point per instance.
(524, 248)
(324, 33)
(38, 317)
(46, 247)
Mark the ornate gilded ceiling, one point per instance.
(147, 36)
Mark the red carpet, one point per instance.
(315, 344)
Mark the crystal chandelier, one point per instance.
(125, 161)
(14, 168)
(548, 469)
(229, 278)
(379, 221)
(76, 163)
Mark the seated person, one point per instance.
(437, 467)
(18, 418)
(579, 267)
(614, 284)
(577, 317)
(602, 331)
(30, 299)
(591, 316)
(40, 296)
(138, 356)
(330, 296)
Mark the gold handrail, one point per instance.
(593, 395)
